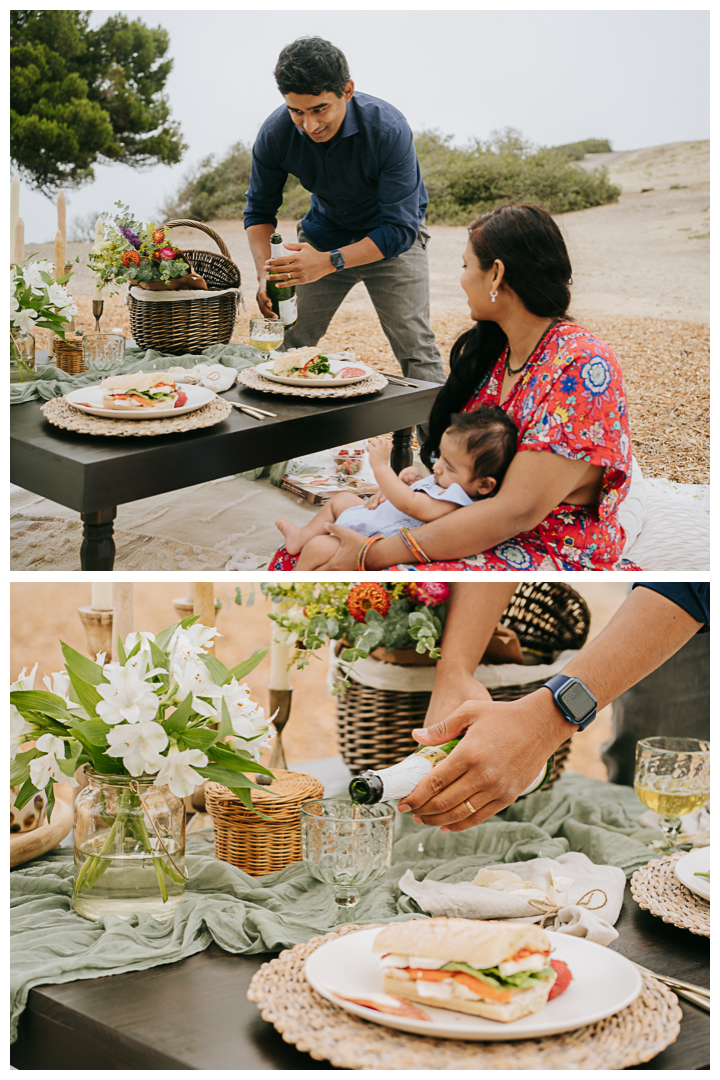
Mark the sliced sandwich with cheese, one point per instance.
(303, 363)
(137, 390)
(498, 970)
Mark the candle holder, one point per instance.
(280, 700)
(97, 310)
(98, 626)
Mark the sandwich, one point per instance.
(302, 363)
(498, 970)
(137, 390)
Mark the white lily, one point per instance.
(25, 320)
(139, 745)
(142, 660)
(178, 773)
(19, 726)
(32, 275)
(125, 697)
(43, 768)
(247, 719)
(194, 678)
(59, 683)
(187, 645)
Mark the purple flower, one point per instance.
(130, 236)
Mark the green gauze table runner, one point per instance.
(243, 914)
(51, 382)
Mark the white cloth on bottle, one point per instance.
(387, 520)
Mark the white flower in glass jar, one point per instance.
(125, 696)
(194, 678)
(247, 719)
(138, 745)
(25, 320)
(20, 728)
(178, 773)
(141, 662)
(59, 683)
(46, 766)
(187, 645)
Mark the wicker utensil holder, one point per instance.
(188, 326)
(68, 355)
(374, 725)
(252, 843)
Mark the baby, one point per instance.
(475, 452)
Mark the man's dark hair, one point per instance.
(490, 439)
(311, 65)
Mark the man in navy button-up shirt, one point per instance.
(355, 153)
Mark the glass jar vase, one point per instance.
(129, 848)
(22, 357)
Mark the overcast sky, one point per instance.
(638, 78)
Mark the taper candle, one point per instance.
(59, 255)
(19, 240)
(279, 663)
(102, 596)
(62, 215)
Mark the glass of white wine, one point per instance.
(266, 334)
(672, 777)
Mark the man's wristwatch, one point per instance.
(573, 699)
(337, 259)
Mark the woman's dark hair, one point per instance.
(490, 440)
(537, 268)
(311, 65)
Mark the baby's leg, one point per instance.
(317, 551)
(295, 539)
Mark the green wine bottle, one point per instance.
(399, 780)
(284, 301)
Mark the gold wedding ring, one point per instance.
(470, 806)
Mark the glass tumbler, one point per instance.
(672, 777)
(346, 846)
(103, 352)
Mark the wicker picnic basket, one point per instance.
(252, 843)
(374, 725)
(177, 325)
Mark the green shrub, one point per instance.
(576, 151)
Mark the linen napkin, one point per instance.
(569, 894)
(694, 830)
(213, 376)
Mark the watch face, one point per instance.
(337, 259)
(578, 701)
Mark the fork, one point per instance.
(698, 995)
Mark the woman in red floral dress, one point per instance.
(557, 508)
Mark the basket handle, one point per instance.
(188, 223)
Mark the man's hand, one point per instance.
(379, 451)
(453, 686)
(303, 266)
(505, 747)
(410, 475)
(263, 300)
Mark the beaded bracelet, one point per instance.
(415, 548)
(362, 553)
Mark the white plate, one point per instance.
(266, 370)
(88, 399)
(688, 865)
(604, 982)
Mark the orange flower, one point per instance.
(158, 236)
(131, 257)
(363, 598)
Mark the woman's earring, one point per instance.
(493, 296)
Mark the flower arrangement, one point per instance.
(37, 300)
(150, 713)
(367, 616)
(134, 252)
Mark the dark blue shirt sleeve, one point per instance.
(400, 190)
(691, 596)
(265, 193)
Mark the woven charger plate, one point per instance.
(372, 385)
(327, 1033)
(658, 891)
(62, 414)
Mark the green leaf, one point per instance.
(226, 727)
(219, 673)
(93, 731)
(50, 793)
(86, 695)
(159, 658)
(198, 738)
(243, 669)
(122, 656)
(81, 666)
(20, 767)
(41, 701)
(69, 764)
(25, 794)
(162, 640)
(178, 720)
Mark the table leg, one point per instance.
(402, 454)
(97, 551)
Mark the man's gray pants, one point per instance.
(674, 701)
(400, 292)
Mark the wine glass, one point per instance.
(347, 846)
(672, 777)
(103, 352)
(266, 334)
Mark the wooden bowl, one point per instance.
(26, 846)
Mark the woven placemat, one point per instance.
(372, 385)
(658, 891)
(61, 413)
(327, 1033)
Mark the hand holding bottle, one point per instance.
(263, 300)
(505, 747)
(298, 265)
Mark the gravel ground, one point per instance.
(641, 282)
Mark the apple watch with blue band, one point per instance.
(337, 259)
(573, 699)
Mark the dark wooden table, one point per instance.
(194, 1014)
(94, 474)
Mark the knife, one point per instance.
(698, 995)
(399, 379)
